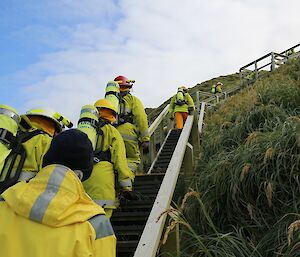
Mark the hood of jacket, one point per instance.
(55, 197)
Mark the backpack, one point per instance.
(100, 155)
(90, 124)
(16, 156)
(124, 117)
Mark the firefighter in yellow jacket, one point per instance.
(9, 124)
(39, 125)
(51, 215)
(109, 161)
(217, 88)
(181, 106)
(132, 123)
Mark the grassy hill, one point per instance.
(246, 193)
(229, 81)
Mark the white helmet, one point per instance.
(58, 119)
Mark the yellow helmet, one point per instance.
(104, 103)
(220, 83)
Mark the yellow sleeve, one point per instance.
(44, 146)
(103, 236)
(172, 106)
(35, 148)
(106, 247)
(140, 118)
(190, 101)
(118, 156)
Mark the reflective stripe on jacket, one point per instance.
(51, 215)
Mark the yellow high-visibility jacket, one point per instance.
(174, 107)
(51, 215)
(134, 132)
(101, 184)
(134, 107)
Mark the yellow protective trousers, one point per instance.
(128, 132)
(109, 175)
(104, 195)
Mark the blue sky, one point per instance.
(61, 53)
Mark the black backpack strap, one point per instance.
(124, 93)
(122, 102)
(113, 93)
(101, 124)
(100, 155)
(7, 137)
(93, 122)
(26, 135)
(25, 123)
(124, 118)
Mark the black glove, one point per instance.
(145, 145)
(129, 195)
(190, 110)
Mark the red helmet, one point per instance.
(123, 81)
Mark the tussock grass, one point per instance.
(248, 175)
(211, 244)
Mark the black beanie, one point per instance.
(73, 149)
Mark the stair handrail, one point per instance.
(158, 120)
(149, 241)
(272, 63)
(158, 153)
(291, 48)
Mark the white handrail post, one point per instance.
(152, 149)
(188, 161)
(198, 102)
(194, 138)
(161, 132)
(172, 245)
(256, 70)
(158, 153)
(201, 117)
(272, 62)
(151, 130)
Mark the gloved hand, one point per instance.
(145, 145)
(190, 110)
(129, 195)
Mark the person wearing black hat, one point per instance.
(51, 215)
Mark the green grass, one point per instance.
(249, 173)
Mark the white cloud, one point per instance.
(160, 44)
